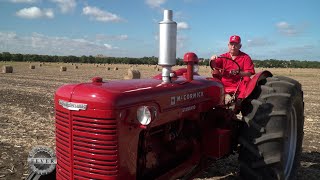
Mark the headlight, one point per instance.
(145, 114)
(195, 68)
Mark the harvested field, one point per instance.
(26, 113)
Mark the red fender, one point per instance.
(253, 82)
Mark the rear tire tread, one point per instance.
(267, 96)
(269, 108)
(250, 147)
(254, 175)
(267, 161)
(268, 137)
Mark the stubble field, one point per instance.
(26, 113)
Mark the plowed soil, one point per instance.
(27, 114)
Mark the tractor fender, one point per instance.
(255, 80)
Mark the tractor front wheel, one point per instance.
(271, 139)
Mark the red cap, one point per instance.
(235, 39)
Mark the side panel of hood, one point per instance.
(124, 93)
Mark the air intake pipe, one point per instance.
(167, 45)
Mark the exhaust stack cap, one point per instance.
(167, 15)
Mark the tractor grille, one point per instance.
(87, 148)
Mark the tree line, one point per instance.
(269, 63)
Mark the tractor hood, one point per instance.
(112, 95)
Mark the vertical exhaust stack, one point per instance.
(167, 45)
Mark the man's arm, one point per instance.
(244, 73)
(248, 67)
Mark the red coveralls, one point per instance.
(231, 81)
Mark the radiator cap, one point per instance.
(97, 80)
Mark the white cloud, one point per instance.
(308, 52)
(100, 15)
(24, 1)
(51, 45)
(102, 37)
(34, 13)
(182, 25)
(123, 37)
(286, 29)
(258, 42)
(110, 47)
(155, 3)
(7, 36)
(65, 5)
(283, 25)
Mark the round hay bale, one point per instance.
(132, 74)
(116, 68)
(40, 65)
(76, 67)
(108, 68)
(63, 68)
(7, 69)
(32, 66)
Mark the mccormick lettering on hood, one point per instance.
(185, 97)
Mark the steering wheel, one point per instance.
(222, 70)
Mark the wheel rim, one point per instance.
(290, 143)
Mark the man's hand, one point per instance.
(214, 57)
(212, 62)
(234, 72)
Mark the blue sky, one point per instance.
(279, 29)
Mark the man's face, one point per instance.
(234, 48)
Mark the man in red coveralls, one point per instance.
(232, 75)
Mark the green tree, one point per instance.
(6, 56)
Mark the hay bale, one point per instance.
(132, 74)
(40, 65)
(63, 68)
(76, 67)
(7, 69)
(108, 68)
(116, 68)
(32, 66)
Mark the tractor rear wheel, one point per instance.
(271, 139)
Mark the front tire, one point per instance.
(271, 139)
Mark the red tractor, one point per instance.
(166, 127)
